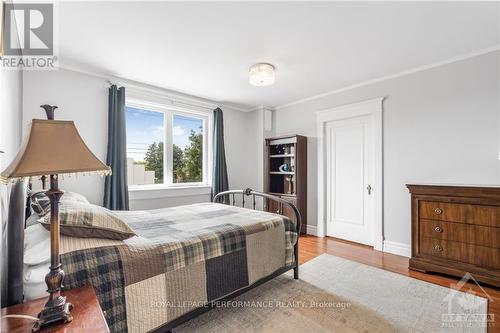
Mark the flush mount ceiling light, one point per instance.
(262, 75)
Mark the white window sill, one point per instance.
(142, 192)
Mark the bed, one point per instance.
(183, 260)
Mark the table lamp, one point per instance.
(53, 147)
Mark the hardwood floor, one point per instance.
(311, 247)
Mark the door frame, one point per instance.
(373, 108)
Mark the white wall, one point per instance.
(81, 98)
(11, 85)
(440, 125)
(84, 99)
(11, 94)
(254, 153)
(11, 97)
(161, 199)
(236, 139)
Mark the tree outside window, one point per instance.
(145, 147)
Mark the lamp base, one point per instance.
(54, 311)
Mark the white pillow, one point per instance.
(36, 245)
(32, 220)
(34, 281)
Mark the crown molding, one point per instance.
(393, 76)
(149, 88)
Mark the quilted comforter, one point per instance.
(182, 258)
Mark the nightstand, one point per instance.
(87, 314)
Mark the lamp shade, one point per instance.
(53, 147)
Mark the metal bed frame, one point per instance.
(231, 200)
(249, 192)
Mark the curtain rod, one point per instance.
(159, 91)
(204, 103)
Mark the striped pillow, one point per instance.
(72, 196)
(83, 220)
(40, 203)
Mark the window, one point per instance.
(187, 149)
(145, 151)
(165, 146)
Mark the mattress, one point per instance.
(182, 258)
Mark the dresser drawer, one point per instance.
(483, 215)
(473, 254)
(458, 232)
(441, 211)
(461, 213)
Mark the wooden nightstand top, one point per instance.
(87, 314)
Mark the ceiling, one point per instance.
(205, 49)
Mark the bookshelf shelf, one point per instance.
(281, 156)
(281, 173)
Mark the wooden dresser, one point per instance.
(456, 229)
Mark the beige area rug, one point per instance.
(339, 295)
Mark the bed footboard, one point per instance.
(229, 197)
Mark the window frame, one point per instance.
(169, 111)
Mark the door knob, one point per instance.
(369, 189)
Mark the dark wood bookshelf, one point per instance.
(289, 183)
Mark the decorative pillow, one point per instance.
(40, 202)
(82, 220)
(72, 196)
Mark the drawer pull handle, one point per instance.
(438, 248)
(438, 211)
(438, 229)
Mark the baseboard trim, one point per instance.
(312, 230)
(400, 249)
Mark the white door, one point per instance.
(349, 179)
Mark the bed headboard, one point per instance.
(13, 204)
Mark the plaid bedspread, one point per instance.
(182, 258)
